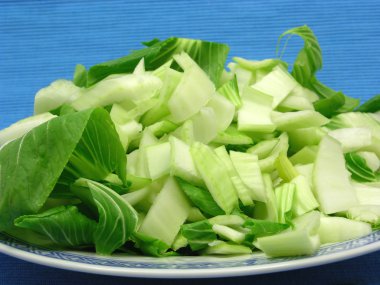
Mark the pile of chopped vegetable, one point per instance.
(167, 152)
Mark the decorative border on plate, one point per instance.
(121, 261)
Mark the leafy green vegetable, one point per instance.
(200, 198)
(80, 76)
(198, 234)
(151, 246)
(370, 106)
(358, 168)
(117, 219)
(261, 228)
(67, 142)
(64, 225)
(209, 56)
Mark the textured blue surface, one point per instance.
(43, 40)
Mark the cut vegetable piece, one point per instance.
(135, 88)
(338, 229)
(205, 126)
(247, 166)
(230, 90)
(329, 106)
(268, 210)
(128, 132)
(267, 164)
(228, 233)
(117, 218)
(304, 200)
(306, 170)
(300, 138)
(352, 139)
(227, 220)
(243, 192)
(296, 101)
(136, 196)
(284, 198)
(367, 194)
(198, 234)
(121, 115)
(305, 156)
(195, 215)
(259, 228)
(224, 111)
(231, 136)
(285, 168)
(358, 168)
(331, 179)
(278, 84)
(185, 132)
(371, 105)
(365, 213)
(297, 120)
(23, 126)
(200, 198)
(182, 164)
(55, 95)
(64, 225)
(215, 176)
(158, 160)
(255, 112)
(164, 222)
(193, 91)
(170, 79)
(224, 248)
(243, 76)
(371, 159)
(263, 149)
(302, 240)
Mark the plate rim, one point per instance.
(173, 273)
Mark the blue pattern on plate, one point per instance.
(177, 263)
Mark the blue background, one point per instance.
(41, 41)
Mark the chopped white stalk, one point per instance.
(193, 91)
(371, 160)
(205, 125)
(331, 179)
(338, 229)
(228, 233)
(55, 95)
(298, 120)
(169, 211)
(365, 213)
(278, 84)
(352, 139)
(158, 160)
(255, 113)
(227, 220)
(136, 196)
(224, 111)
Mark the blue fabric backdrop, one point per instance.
(43, 40)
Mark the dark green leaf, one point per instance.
(210, 57)
(152, 246)
(117, 219)
(200, 198)
(238, 147)
(80, 76)
(83, 143)
(198, 234)
(370, 106)
(328, 106)
(64, 225)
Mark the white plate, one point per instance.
(185, 267)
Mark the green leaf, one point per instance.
(64, 225)
(198, 234)
(80, 144)
(200, 198)
(328, 106)
(305, 67)
(80, 76)
(117, 218)
(309, 59)
(230, 90)
(209, 56)
(261, 228)
(370, 106)
(358, 167)
(152, 246)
